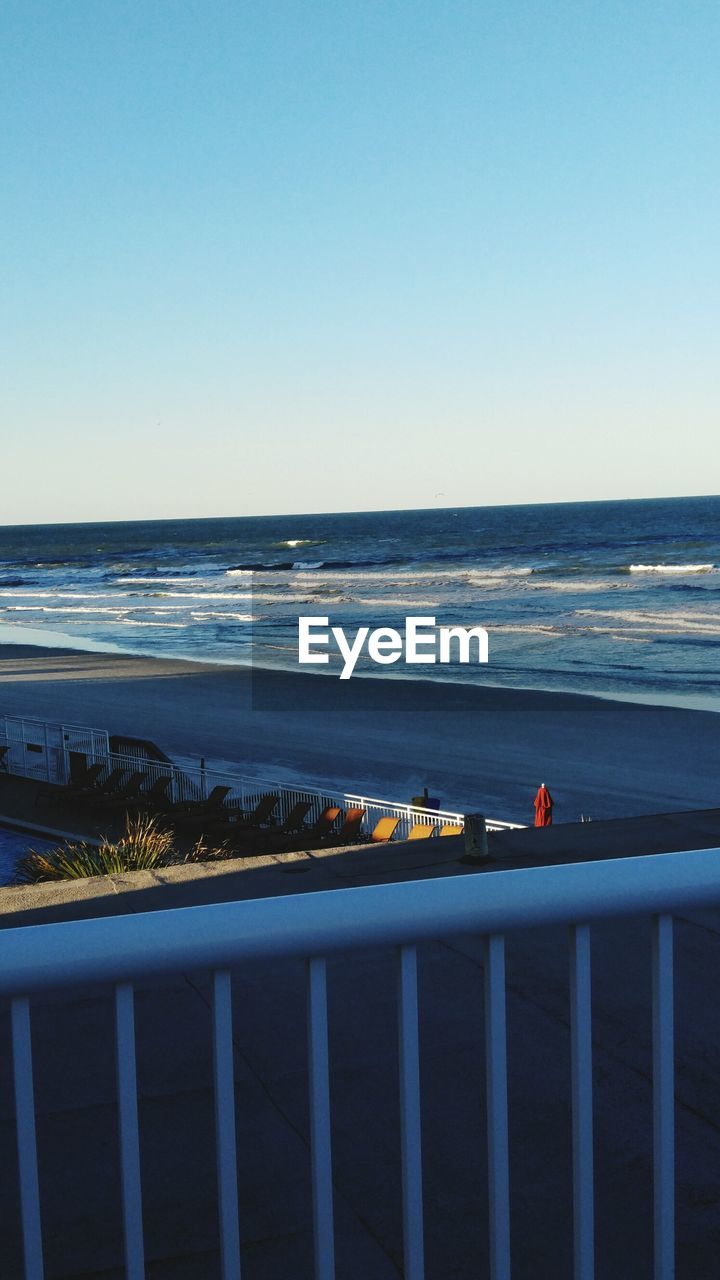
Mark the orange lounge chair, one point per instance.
(452, 829)
(352, 823)
(325, 823)
(422, 831)
(384, 830)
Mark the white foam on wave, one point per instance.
(142, 622)
(384, 602)
(65, 609)
(202, 595)
(658, 623)
(673, 568)
(226, 617)
(62, 595)
(154, 581)
(405, 577)
(578, 585)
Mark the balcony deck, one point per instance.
(76, 1100)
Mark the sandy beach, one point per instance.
(481, 749)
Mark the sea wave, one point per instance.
(301, 542)
(200, 595)
(141, 622)
(53, 608)
(646, 620)
(673, 568)
(156, 580)
(63, 595)
(200, 615)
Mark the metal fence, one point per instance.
(42, 751)
(123, 950)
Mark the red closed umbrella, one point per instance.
(543, 807)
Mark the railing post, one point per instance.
(129, 1134)
(223, 1066)
(410, 1127)
(320, 1138)
(26, 1139)
(582, 1101)
(497, 1108)
(663, 1096)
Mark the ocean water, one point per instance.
(609, 597)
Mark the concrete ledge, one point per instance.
(227, 880)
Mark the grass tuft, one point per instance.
(143, 847)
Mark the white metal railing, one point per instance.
(42, 751)
(125, 949)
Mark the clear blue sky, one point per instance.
(280, 256)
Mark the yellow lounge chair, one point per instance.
(422, 831)
(452, 829)
(384, 830)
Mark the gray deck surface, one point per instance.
(77, 1123)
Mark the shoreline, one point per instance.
(476, 748)
(61, 642)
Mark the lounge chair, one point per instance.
(351, 825)
(213, 803)
(108, 785)
(323, 825)
(82, 783)
(155, 798)
(128, 794)
(384, 830)
(85, 778)
(194, 815)
(262, 812)
(422, 831)
(452, 829)
(308, 837)
(295, 820)
(256, 817)
(272, 839)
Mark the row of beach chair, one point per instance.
(294, 831)
(124, 788)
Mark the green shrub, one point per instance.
(143, 847)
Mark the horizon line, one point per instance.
(360, 511)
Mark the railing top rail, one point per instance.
(122, 948)
(213, 775)
(67, 725)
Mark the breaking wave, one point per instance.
(673, 568)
